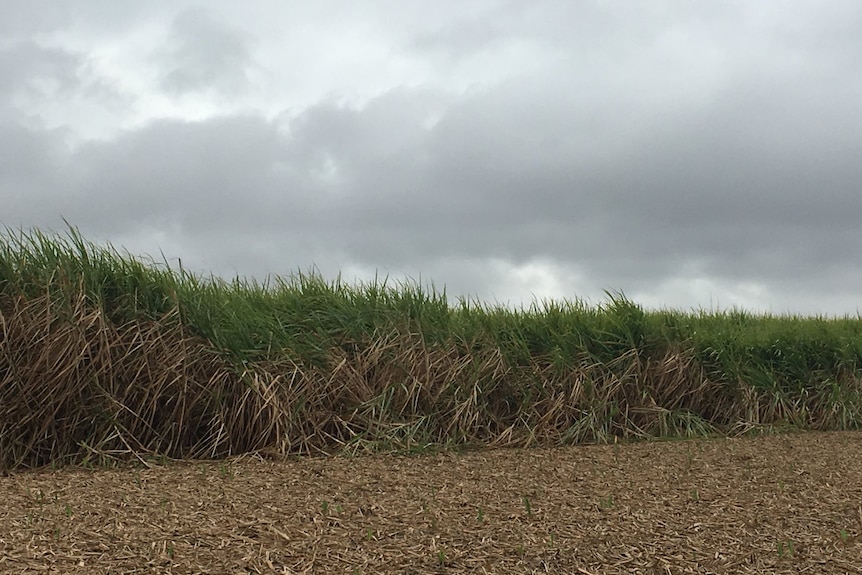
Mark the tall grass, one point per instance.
(106, 355)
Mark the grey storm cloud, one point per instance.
(204, 53)
(461, 187)
(29, 70)
(629, 148)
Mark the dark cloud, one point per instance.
(203, 53)
(34, 166)
(29, 72)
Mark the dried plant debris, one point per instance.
(788, 503)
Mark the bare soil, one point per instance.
(776, 504)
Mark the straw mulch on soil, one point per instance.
(777, 504)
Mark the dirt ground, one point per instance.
(777, 504)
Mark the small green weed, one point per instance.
(606, 503)
(39, 496)
(520, 549)
(785, 549)
(225, 471)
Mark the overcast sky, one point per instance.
(692, 154)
